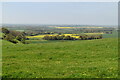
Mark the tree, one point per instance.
(20, 37)
(46, 37)
(83, 37)
(10, 38)
(5, 31)
(68, 38)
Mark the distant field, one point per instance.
(76, 27)
(113, 35)
(64, 27)
(20, 30)
(93, 33)
(72, 35)
(63, 59)
(41, 36)
(37, 36)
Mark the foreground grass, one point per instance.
(69, 59)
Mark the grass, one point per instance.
(63, 59)
(113, 35)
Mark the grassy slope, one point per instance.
(71, 59)
(113, 35)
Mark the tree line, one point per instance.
(63, 37)
(13, 36)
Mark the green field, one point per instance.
(113, 35)
(61, 59)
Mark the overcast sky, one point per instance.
(91, 13)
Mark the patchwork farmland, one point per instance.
(40, 58)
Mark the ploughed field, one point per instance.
(61, 59)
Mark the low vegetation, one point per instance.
(62, 59)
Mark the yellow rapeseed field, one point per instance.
(75, 36)
(40, 36)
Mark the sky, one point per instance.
(60, 0)
(86, 13)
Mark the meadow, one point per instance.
(40, 58)
(61, 59)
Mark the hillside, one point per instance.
(63, 59)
